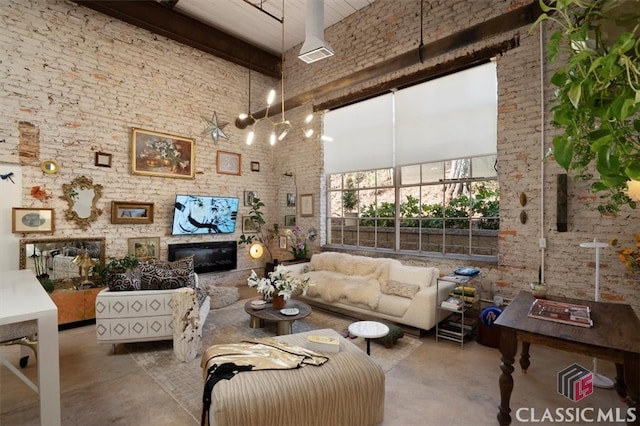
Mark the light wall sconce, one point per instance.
(256, 251)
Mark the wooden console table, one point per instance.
(22, 298)
(614, 337)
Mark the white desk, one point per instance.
(22, 298)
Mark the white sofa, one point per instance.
(375, 287)
(137, 316)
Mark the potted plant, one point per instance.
(114, 266)
(279, 284)
(349, 202)
(263, 235)
(597, 102)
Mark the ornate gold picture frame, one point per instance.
(162, 154)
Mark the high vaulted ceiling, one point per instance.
(246, 32)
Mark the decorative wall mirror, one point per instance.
(54, 257)
(82, 196)
(49, 167)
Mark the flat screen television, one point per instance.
(198, 214)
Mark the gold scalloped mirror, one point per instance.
(82, 196)
(49, 167)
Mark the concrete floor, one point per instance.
(437, 384)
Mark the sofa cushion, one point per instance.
(157, 277)
(417, 275)
(128, 281)
(401, 289)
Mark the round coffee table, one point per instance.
(283, 322)
(369, 330)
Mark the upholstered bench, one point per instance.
(347, 390)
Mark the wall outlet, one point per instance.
(498, 300)
(543, 243)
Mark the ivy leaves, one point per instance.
(597, 102)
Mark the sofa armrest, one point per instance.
(423, 305)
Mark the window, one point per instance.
(446, 207)
(427, 157)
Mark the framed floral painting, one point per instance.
(162, 154)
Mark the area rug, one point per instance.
(184, 381)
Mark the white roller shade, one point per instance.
(450, 117)
(362, 136)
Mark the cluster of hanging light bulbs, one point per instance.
(280, 129)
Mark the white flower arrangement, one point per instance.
(280, 282)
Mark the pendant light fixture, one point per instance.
(279, 129)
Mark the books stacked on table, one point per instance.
(468, 294)
(565, 313)
(452, 329)
(323, 343)
(452, 302)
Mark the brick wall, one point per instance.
(84, 79)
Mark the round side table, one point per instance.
(369, 330)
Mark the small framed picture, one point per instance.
(306, 205)
(228, 163)
(255, 166)
(102, 159)
(290, 220)
(248, 225)
(144, 248)
(26, 220)
(131, 212)
(283, 242)
(291, 200)
(249, 197)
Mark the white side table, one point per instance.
(369, 330)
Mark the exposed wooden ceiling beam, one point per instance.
(510, 21)
(160, 19)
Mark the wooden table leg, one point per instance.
(632, 384)
(508, 348)
(524, 357)
(619, 385)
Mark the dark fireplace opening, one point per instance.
(208, 257)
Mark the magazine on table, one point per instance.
(565, 313)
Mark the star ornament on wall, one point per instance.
(214, 129)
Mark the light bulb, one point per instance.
(243, 116)
(308, 133)
(271, 97)
(272, 139)
(309, 119)
(283, 134)
(326, 138)
(250, 136)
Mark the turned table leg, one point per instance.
(524, 357)
(508, 348)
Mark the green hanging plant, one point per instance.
(597, 102)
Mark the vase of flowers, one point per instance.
(629, 256)
(281, 283)
(298, 241)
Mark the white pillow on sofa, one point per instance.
(417, 275)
